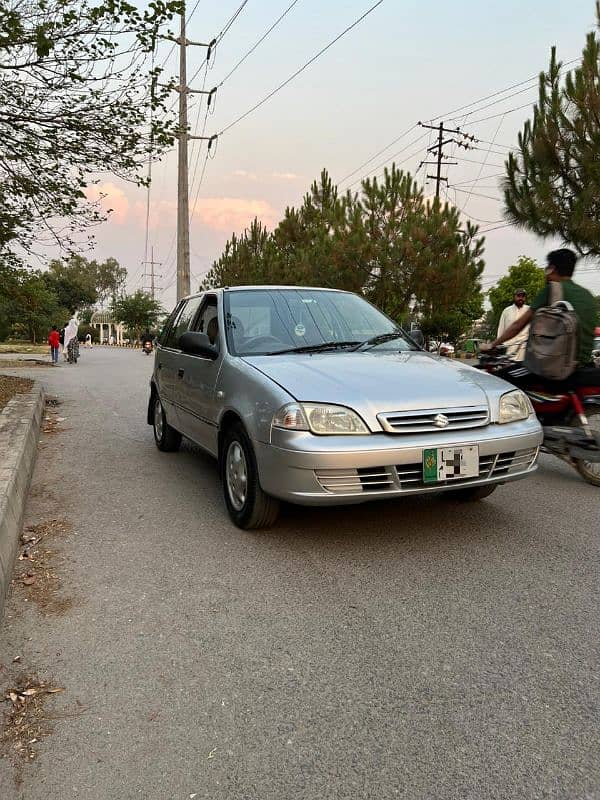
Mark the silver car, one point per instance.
(316, 397)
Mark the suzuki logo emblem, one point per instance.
(441, 421)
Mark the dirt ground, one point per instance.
(10, 386)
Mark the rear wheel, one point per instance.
(474, 493)
(248, 506)
(589, 470)
(167, 438)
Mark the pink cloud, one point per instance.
(110, 198)
(285, 176)
(228, 214)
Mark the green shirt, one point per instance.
(584, 305)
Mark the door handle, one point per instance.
(180, 373)
(159, 366)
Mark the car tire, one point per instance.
(167, 438)
(474, 493)
(248, 506)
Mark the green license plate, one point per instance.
(450, 463)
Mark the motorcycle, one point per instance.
(568, 412)
(147, 348)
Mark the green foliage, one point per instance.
(31, 307)
(76, 88)
(83, 331)
(525, 274)
(405, 254)
(73, 282)
(68, 286)
(552, 185)
(137, 311)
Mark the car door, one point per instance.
(168, 361)
(198, 384)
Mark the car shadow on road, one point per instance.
(421, 519)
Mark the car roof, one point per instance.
(271, 287)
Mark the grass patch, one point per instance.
(23, 347)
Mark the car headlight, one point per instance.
(514, 406)
(319, 418)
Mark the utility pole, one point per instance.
(183, 213)
(152, 263)
(438, 150)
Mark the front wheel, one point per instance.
(167, 438)
(474, 493)
(590, 470)
(248, 506)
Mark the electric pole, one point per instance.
(183, 219)
(183, 213)
(438, 150)
(152, 263)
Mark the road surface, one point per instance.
(415, 649)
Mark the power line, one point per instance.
(501, 114)
(302, 68)
(534, 79)
(259, 42)
(379, 152)
(399, 164)
(231, 21)
(476, 194)
(174, 45)
(476, 180)
(383, 164)
(217, 40)
(482, 167)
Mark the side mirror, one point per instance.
(417, 337)
(194, 343)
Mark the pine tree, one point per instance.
(552, 185)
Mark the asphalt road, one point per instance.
(414, 649)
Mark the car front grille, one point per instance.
(410, 476)
(356, 481)
(424, 421)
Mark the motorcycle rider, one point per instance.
(561, 265)
(147, 337)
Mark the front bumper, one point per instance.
(332, 470)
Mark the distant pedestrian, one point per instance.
(111, 340)
(88, 341)
(71, 341)
(54, 342)
(515, 347)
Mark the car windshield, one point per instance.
(270, 321)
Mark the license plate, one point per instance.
(446, 463)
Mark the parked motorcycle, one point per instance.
(569, 412)
(147, 348)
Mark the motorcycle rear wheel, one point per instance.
(589, 470)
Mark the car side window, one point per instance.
(167, 327)
(182, 322)
(208, 321)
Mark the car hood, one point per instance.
(372, 383)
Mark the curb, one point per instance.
(20, 423)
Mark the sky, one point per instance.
(407, 61)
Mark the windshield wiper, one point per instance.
(380, 339)
(313, 348)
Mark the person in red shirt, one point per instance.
(54, 342)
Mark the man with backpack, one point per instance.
(561, 338)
